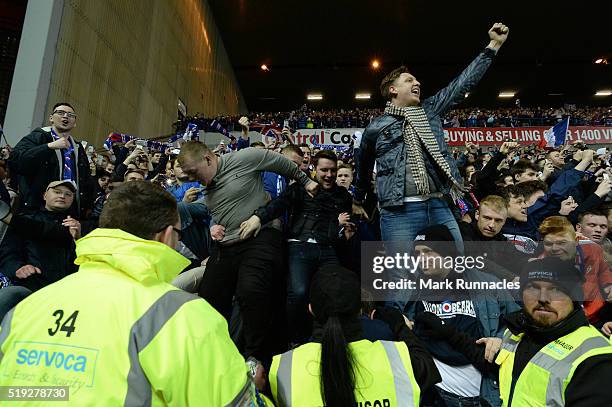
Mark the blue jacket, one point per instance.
(546, 206)
(195, 228)
(383, 139)
(490, 307)
(178, 191)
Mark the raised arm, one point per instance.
(455, 92)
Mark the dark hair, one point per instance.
(345, 166)
(292, 148)
(593, 212)
(327, 154)
(116, 178)
(337, 366)
(304, 145)
(101, 172)
(128, 205)
(606, 208)
(55, 106)
(521, 166)
(388, 80)
(257, 144)
(511, 191)
(335, 302)
(529, 188)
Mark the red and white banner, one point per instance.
(488, 136)
(485, 136)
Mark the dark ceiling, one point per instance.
(327, 46)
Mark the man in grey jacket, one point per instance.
(414, 170)
(248, 268)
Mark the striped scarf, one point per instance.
(418, 134)
(67, 170)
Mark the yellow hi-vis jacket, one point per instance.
(543, 381)
(118, 334)
(383, 375)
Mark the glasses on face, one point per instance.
(62, 113)
(67, 194)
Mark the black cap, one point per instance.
(563, 274)
(432, 236)
(335, 291)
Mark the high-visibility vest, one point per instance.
(383, 375)
(545, 377)
(116, 333)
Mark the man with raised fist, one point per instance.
(416, 176)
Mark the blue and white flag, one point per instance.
(215, 125)
(190, 133)
(555, 136)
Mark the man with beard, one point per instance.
(550, 354)
(313, 234)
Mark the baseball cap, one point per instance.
(65, 182)
(335, 291)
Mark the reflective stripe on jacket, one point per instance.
(547, 374)
(117, 333)
(383, 375)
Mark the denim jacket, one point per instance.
(490, 307)
(383, 140)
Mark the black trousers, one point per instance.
(251, 271)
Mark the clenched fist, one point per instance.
(244, 122)
(498, 35)
(59, 144)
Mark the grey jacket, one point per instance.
(383, 142)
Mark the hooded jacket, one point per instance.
(117, 333)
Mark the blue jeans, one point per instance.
(400, 225)
(304, 260)
(403, 223)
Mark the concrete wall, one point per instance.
(124, 64)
